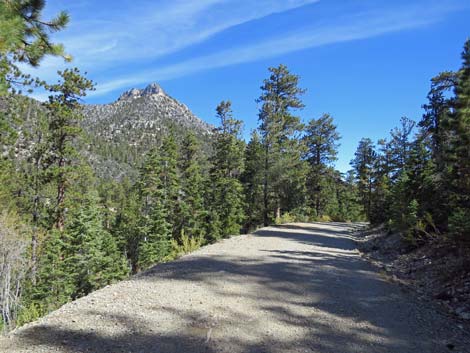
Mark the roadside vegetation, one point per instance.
(64, 232)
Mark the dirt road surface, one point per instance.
(294, 288)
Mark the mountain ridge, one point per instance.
(123, 131)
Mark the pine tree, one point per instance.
(400, 146)
(252, 179)
(283, 182)
(35, 171)
(350, 209)
(170, 179)
(24, 38)
(191, 211)
(55, 283)
(94, 259)
(435, 136)
(128, 227)
(154, 230)
(321, 139)
(65, 113)
(381, 184)
(227, 166)
(363, 164)
(460, 198)
(435, 121)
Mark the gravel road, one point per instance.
(294, 288)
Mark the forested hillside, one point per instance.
(81, 209)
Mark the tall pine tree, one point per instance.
(227, 166)
(283, 170)
(252, 179)
(321, 140)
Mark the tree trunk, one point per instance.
(265, 188)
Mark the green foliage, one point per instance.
(285, 218)
(28, 313)
(24, 38)
(170, 179)
(25, 34)
(459, 224)
(321, 140)
(420, 185)
(213, 225)
(363, 165)
(283, 169)
(227, 166)
(191, 212)
(296, 215)
(252, 181)
(65, 112)
(460, 144)
(54, 284)
(186, 245)
(128, 228)
(94, 258)
(153, 230)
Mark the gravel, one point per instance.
(293, 288)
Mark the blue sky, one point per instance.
(366, 62)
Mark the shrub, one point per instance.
(459, 224)
(324, 218)
(188, 244)
(285, 218)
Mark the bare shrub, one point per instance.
(13, 267)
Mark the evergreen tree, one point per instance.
(435, 121)
(252, 179)
(283, 179)
(400, 146)
(94, 259)
(55, 283)
(154, 229)
(227, 166)
(363, 164)
(460, 197)
(128, 227)
(191, 211)
(24, 38)
(35, 172)
(350, 209)
(65, 113)
(321, 139)
(170, 179)
(435, 136)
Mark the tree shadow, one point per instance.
(341, 239)
(313, 295)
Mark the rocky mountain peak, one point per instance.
(150, 90)
(125, 130)
(153, 88)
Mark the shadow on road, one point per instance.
(339, 238)
(317, 289)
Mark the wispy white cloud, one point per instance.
(103, 38)
(361, 25)
(135, 34)
(153, 29)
